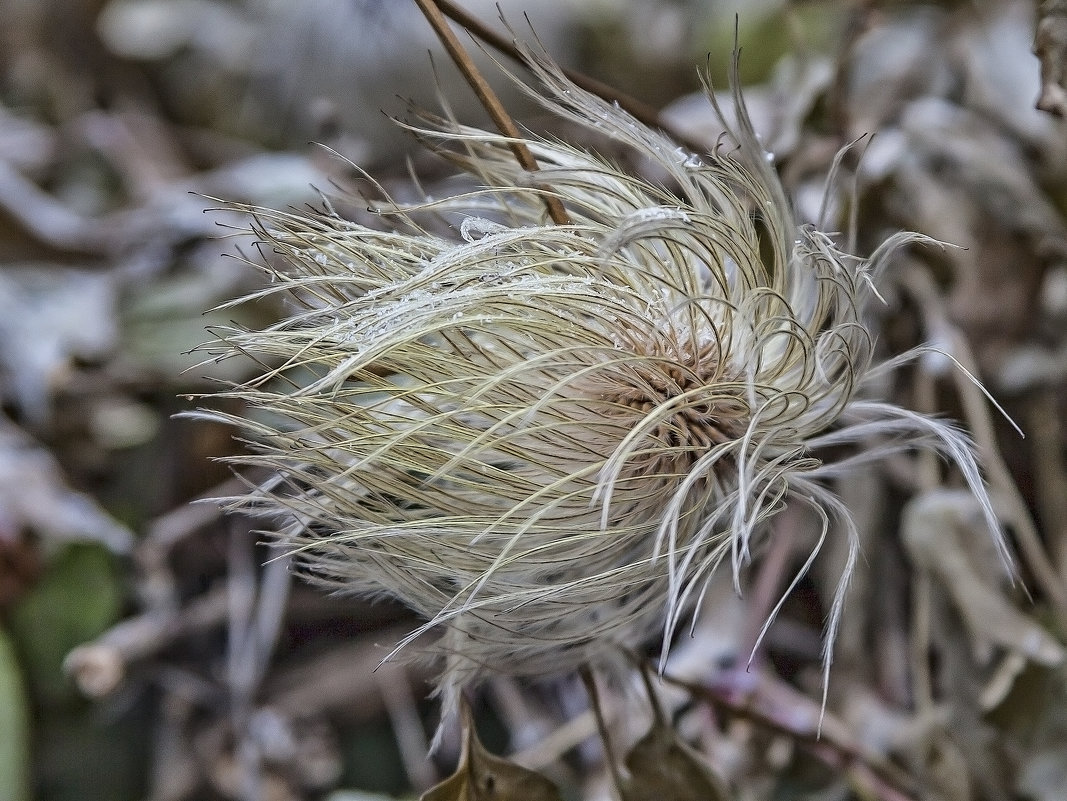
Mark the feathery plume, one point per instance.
(545, 438)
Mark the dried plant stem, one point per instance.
(489, 100)
(257, 609)
(602, 727)
(640, 110)
(779, 708)
(399, 701)
(99, 666)
(922, 683)
(561, 740)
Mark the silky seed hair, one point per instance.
(542, 438)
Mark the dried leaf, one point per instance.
(152, 30)
(454, 788)
(482, 776)
(663, 767)
(901, 58)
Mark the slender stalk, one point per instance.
(602, 727)
(659, 717)
(489, 100)
(776, 707)
(637, 108)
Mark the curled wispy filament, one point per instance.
(544, 438)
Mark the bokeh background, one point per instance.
(149, 648)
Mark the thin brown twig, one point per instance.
(832, 736)
(98, 667)
(602, 728)
(489, 100)
(638, 109)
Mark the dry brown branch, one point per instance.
(257, 608)
(98, 667)
(938, 531)
(175, 775)
(561, 740)
(640, 110)
(779, 708)
(489, 100)
(589, 680)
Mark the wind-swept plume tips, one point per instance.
(544, 438)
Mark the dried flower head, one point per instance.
(544, 438)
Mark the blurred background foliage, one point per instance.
(145, 649)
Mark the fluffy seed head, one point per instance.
(544, 438)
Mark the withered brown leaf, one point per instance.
(482, 776)
(662, 766)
